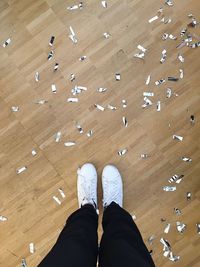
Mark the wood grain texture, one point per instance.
(26, 199)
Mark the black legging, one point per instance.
(121, 244)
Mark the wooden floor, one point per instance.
(26, 198)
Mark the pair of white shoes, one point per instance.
(111, 184)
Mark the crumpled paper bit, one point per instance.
(169, 2)
(177, 137)
(164, 56)
(99, 107)
(32, 248)
(170, 36)
(78, 89)
(72, 35)
(186, 159)
(75, 6)
(51, 40)
(177, 211)
(57, 137)
(122, 152)
(167, 228)
(101, 90)
(41, 102)
(169, 188)
(141, 53)
(159, 82)
(125, 121)
(192, 119)
(111, 107)
(21, 169)
(33, 152)
(147, 102)
(53, 88)
(82, 58)
(89, 133)
(158, 106)
(181, 227)
(124, 103)
(167, 250)
(7, 42)
(57, 200)
(56, 66)
(70, 143)
(176, 178)
(50, 55)
(148, 79)
(79, 128)
(104, 4)
(37, 76)
(14, 109)
(189, 196)
(61, 192)
(106, 35)
(72, 100)
(72, 77)
(3, 218)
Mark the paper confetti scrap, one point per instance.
(198, 228)
(124, 103)
(68, 144)
(41, 102)
(169, 188)
(61, 192)
(51, 40)
(14, 109)
(80, 129)
(177, 137)
(122, 152)
(32, 248)
(111, 107)
(72, 100)
(181, 227)
(167, 228)
(33, 152)
(164, 56)
(7, 42)
(53, 88)
(186, 159)
(144, 156)
(37, 76)
(72, 35)
(72, 77)
(50, 55)
(125, 122)
(3, 218)
(99, 107)
(158, 106)
(151, 239)
(106, 35)
(90, 133)
(177, 211)
(176, 178)
(104, 4)
(101, 90)
(57, 200)
(117, 76)
(57, 137)
(189, 196)
(20, 170)
(78, 89)
(74, 7)
(148, 79)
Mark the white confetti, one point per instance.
(111, 107)
(186, 159)
(181, 58)
(176, 178)
(72, 77)
(124, 103)
(159, 82)
(158, 106)
(68, 144)
(57, 137)
(32, 248)
(20, 170)
(33, 152)
(106, 35)
(74, 7)
(169, 92)
(41, 102)
(177, 211)
(164, 56)
(149, 94)
(181, 74)
(56, 66)
(148, 80)
(72, 100)
(90, 133)
(181, 227)
(3, 218)
(167, 228)
(104, 4)
(37, 76)
(177, 137)
(147, 102)
(78, 89)
(122, 152)
(169, 2)
(99, 107)
(7, 42)
(24, 263)
(61, 192)
(101, 90)
(169, 188)
(117, 77)
(198, 228)
(50, 55)
(144, 156)
(80, 129)
(14, 109)
(153, 19)
(53, 88)
(125, 122)
(57, 200)
(140, 47)
(51, 40)
(72, 35)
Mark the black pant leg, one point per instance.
(77, 245)
(122, 244)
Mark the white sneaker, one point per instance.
(112, 186)
(87, 185)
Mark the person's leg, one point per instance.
(77, 245)
(121, 244)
